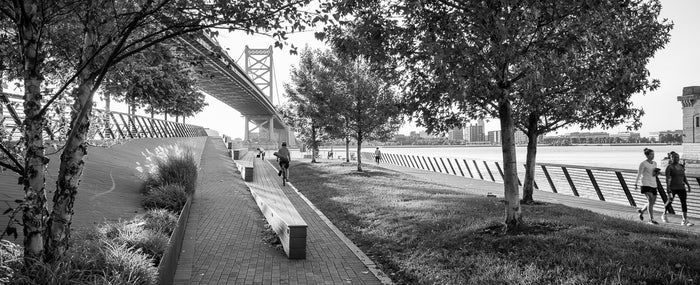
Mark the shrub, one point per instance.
(169, 165)
(160, 220)
(170, 196)
(92, 259)
(133, 234)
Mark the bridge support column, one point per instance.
(271, 128)
(247, 130)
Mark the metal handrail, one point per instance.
(599, 183)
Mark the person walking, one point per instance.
(377, 155)
(676, 183)
(648, 173)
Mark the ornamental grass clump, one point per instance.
(171, 197)
(160, 220)
(174, 164)
(91, 259)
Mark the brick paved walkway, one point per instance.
(224, 236)
(482, 187)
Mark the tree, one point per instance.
(586, 69)
(507, 60)
(373, 111)
(160, 79)
(104, 34)
(308, 97)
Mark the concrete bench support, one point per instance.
(246, 169)
(237, 154)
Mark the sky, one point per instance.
(676, 66)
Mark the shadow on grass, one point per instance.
(421, 232)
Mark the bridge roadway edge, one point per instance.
(224, 244)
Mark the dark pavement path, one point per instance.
(224, 239)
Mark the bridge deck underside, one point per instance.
(223, 79)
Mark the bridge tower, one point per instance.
(259, 66)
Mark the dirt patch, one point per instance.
(528, 228)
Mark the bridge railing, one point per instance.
(104, 125)
(599, 183)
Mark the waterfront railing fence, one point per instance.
(599, 183)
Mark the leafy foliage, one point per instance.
(554, 63)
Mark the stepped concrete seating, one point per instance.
(245, 166)
(282, 216)
(236, 154)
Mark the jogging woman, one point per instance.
(648, 172)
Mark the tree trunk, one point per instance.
(314, 145)
(165, 116)
(33, 215)
(510, 180)
(347, 149)
(359, 151)
(107, 124)
(72, 164)
(528, 187)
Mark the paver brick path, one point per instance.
(224, 236)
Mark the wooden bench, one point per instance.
(284, 219)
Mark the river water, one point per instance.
(615, 156)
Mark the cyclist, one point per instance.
(283, 158)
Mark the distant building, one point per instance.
(691, 114)
(520, 137)
(456, 134)
(494, 137)
(671, 136)
(475, 132)
(627, 136)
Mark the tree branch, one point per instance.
(19, 168)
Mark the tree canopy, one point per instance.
(556, 63)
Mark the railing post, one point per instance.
(419, 162)
(662, 193)
(408, 158)
(117, 125)
(431, 164)
(126, 125)
(477, 169)
(444, 166)
(549, 178)
(489, 171)
(595, 185)
(571, 182)
(413, 158)
(452, 167)
(468, 169)
(459, 167)
(403, 160)
(437, 164)
(624, 188)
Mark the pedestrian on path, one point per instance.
(676, 183)
(261, 153)
(283, 157)
(377, 155)
(648, 173)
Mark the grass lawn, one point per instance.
(420, 232)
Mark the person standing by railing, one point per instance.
(377, 155)
(676, 183)
(648, 172)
